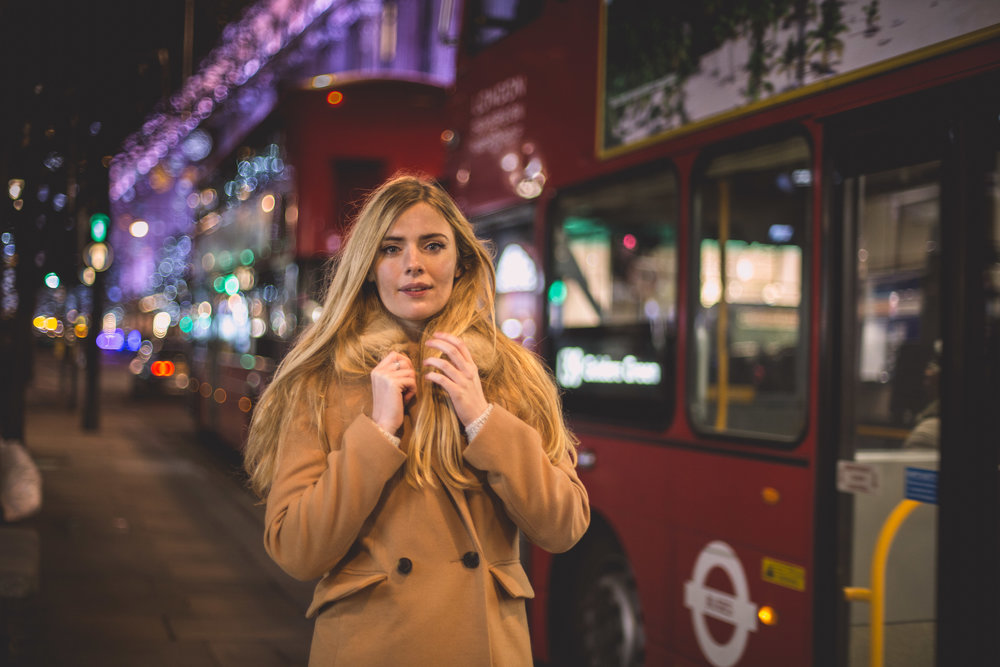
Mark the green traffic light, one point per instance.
(99, 223)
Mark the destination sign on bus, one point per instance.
(576, 367)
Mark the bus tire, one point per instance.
(597, 621)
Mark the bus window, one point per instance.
(519, 278)
(747, 351)
(492, 20)
(613, 296)
(898, 307)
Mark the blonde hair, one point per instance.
(334, 348)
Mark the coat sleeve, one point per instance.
(319, 501)
(547, 501)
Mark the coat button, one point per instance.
(404, 566)
(470, 560)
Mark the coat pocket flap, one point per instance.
(513, 579)
(338, 586)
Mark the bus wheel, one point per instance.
(604, 615)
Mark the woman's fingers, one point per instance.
(458, 375)
(453, 346)
(394, 384)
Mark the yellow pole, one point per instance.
(879, 558)
(722, 325)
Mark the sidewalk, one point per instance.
(149, 549)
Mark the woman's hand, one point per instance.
(458, 375)
(394, 384)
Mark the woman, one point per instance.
(404, 442)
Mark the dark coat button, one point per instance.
(470, 560)
(404, 566)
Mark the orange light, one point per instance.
(245, 404)
(334, 97)
(767, 615)
(770, 495)
(162, 369)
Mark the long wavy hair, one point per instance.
(335, 348)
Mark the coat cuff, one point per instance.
(364, 438)
(484, 453)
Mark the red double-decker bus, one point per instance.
(759, 245)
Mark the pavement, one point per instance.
(148, 548)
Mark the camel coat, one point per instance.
(409, 576)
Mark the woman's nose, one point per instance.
(413, 263)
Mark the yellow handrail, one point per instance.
(876, 594)
(722, 325)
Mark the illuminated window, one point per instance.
(516, 271)
(613, 296)
(898, 305)
(747, 343)
(492, 20)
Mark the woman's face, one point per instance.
(416, 266)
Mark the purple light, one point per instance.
(275, 44)
(111, 340)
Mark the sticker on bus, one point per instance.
(854, 477)
(784, 574)
(921, 485)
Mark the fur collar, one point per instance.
(382, 334)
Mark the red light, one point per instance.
(162, 368)
(629, 241)
(334, 98)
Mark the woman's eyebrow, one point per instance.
(423, 237)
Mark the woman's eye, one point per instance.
(435, 246)
(390, 250)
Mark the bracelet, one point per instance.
(472, 430)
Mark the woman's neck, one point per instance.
(414, 332)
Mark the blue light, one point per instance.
(780, 233)
(133, 340)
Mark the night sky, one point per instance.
(78, 77)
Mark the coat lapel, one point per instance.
(461, 505)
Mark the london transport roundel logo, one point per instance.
(736, 608)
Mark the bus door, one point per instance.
(915, 366)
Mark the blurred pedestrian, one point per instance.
(926, 433)
(403, 444)
(20, 479)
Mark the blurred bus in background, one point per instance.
(275, 213)
(759, 245)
